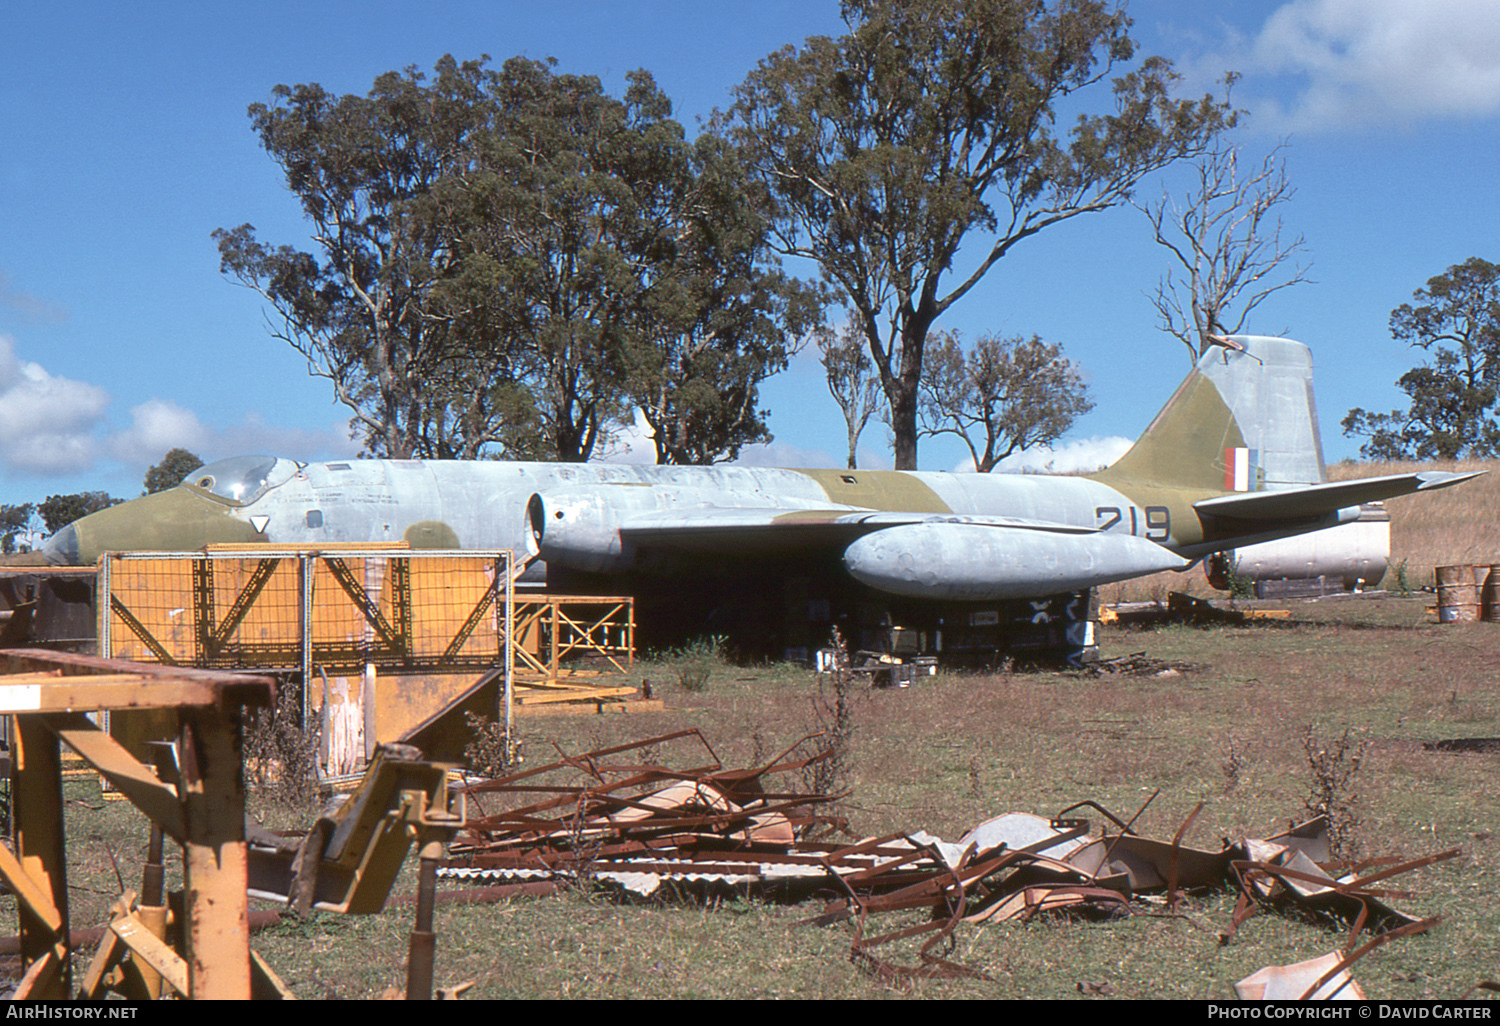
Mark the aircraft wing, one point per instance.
(922, 555)
(1320, 499)
(738, 531)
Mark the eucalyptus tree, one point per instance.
(631, 267)
(509, 260)
(851, 382)
(910, 155)
(1002, 396)
(363, 308)
(1456, 319)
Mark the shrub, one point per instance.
(696, 661)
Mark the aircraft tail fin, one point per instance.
(1243, 421)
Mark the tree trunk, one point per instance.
(904, 426)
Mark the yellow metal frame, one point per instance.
(361, 616)
(48, 693)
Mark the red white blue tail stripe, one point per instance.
(1239, 469)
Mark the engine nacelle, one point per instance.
(981, 562)
(579, 530)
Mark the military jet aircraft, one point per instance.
(1233, 459)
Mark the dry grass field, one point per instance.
(1454, 525)
(956, 749)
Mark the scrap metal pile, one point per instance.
(620, 817)
(617, 816)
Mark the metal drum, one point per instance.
(1489, 595)
(1457, 595)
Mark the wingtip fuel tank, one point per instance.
(985, 563)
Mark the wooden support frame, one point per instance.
(547, 629)
(48, 693)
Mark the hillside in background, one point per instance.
(1454, 525)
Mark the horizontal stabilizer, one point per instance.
(1316, 500)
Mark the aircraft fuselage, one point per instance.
(451, 504)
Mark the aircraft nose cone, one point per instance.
(176, 520)
(62, 547)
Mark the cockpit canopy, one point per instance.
(240, 480)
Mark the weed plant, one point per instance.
(493, 751)
(834, 712)
(280, 751)
(695, 662)
(1334, 764)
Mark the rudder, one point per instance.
(1244, 420)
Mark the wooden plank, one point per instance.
(31, 894)
(562, 682)
(15, 661)
(265, 985)
(146, 792)
(40, 849)
(42, 979)
(214, 863)
(103, 966)
(574, 695)
(70, 693)
(400, 548)
(155, 953)
(56, 677)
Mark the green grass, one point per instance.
(956, 749)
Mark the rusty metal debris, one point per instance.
(1302, 981)
(1138, 664)
(1325, 978)
(620, 817)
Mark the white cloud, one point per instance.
(53, 427)
(29, 306)
(1083, 456)
(1352, 63)
(781, 454)
(632, 443)
(156, 427)
(253, 436)
(47, 423)
(159, 425)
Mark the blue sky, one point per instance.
(124, 143)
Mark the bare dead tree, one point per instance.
(851, 381)
(1227, 234)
